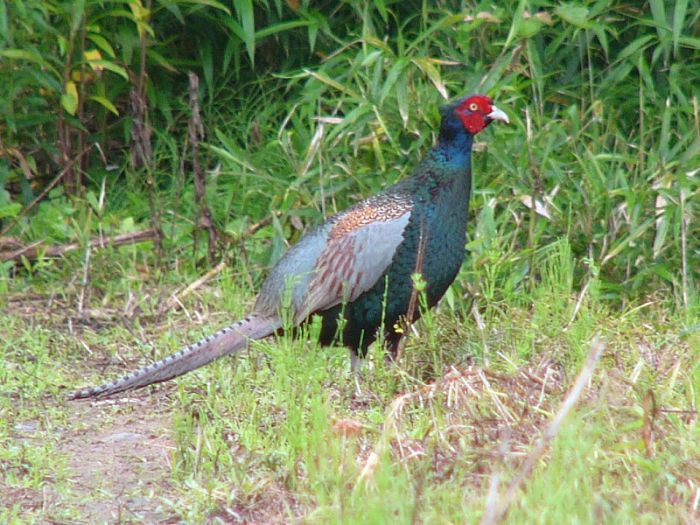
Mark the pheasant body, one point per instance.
(438, 199)
(358, 265)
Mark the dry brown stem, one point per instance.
(176, 299)
(498, 508)
(33, 250)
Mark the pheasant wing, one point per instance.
(359, 248)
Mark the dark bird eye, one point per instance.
(473, 106)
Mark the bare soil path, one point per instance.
(118, 460)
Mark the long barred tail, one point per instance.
(224, 342)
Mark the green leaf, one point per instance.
(600, 34)
(244, 9)
(573, 14)
(160, 60)
(102, 43)
(29, 55)
(528, 27)
(626, 241)
(427, 66)
(447, 22)
(395, 73)
(77, 16)
(635, 46)
(402, 100)
(690, 42)
(280, 28)
(10, 210)
(322, 77)
(678, 18)
(69, 99)
(111, 66)
(235, 28)
(93, 201)
(105, 103)
(209, 3)
(381, 7)
(658, 13)
(22, 54)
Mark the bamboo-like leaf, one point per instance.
(246, 17)
(377, 149)
(379, 44)
(29, 55)
(433, 74)
(381, 7)
(325, 79)
(231, 152)
(679, 12)
(665, 134)
(209, 3)
(658, 12)
(635, 46)
(110, 66)
(207, 64)
(689, 42)
(105, 103)
(394, 74)
(159, 59)
(402, 100)
(623, 243)
(77, 15)
(351, 118)
(69, 99)
(445, 22)
(573, 14)
(382, 125)
(273, 29)
(102, 43)
(233, 25)
(312, 33)
(662, 223)
(601, 35)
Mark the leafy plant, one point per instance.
(308, 106)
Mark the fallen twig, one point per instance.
(33, 250)
(176, 298)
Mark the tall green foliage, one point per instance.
(310, 104)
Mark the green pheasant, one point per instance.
(358, 265)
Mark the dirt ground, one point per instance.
(121, 460)
(116, 456)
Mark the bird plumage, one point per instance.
(358, 265)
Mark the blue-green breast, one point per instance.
(440, 196)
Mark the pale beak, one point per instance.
(497, 114)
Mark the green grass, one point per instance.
(277, 434)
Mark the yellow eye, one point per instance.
(473, 106)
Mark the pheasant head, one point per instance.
(475, 112)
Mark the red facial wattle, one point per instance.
(477, 112)
(473, 122)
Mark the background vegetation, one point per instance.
(584, 219)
